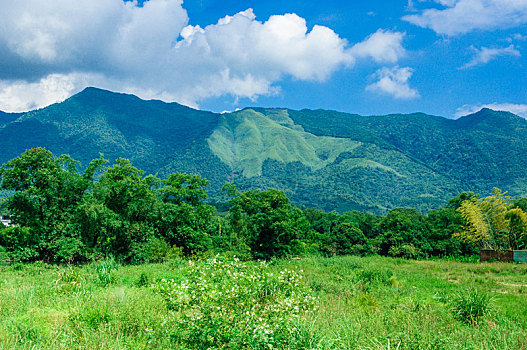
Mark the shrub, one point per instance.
(470, 305)
(3, 254)
(19, 243)
(143, 280)
(174, 253)
(407, 251)
(236, 305)
(153, 250)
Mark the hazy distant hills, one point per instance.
(327, 159)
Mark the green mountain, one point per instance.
(6, 118)
(327, 159)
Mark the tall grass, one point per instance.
(362, 303)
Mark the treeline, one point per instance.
(63, 214)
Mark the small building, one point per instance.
(6, 220)
(519, 256)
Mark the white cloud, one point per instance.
(48, 90)
(449, 3)
(463, 16)
(518, 109)
(485, 55)
(152, 52)
(383, 46)
(394, 81)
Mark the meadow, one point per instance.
(343, 302)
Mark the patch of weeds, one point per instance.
(376, 275)
(229, 304)
(104, 271)
(68, 279)
(351, 262)
(368, 301)
(143, 280)
(470, 305)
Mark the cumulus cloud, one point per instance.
(52, 49)
(50, 89)
(395, 82)
(463, 16)
(485, 55)
(383, 46)
(518, 109)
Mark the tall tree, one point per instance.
(47, 191)
(493, 222)
(271, 225)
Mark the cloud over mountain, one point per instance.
(53, 49)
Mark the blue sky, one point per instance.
(442, 57)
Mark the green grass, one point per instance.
(363, 303)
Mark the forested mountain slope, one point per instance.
(327, 159)
(6, 118)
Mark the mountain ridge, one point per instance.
(323, 158)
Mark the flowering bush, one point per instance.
(237, 305)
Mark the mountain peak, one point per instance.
(492, 117)
(92, 92)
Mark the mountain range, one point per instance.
(320, 158)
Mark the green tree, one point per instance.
(47, 191)
(271, 226)
(184, 219)
(120, 211)
(442, 224)
(493, 222)
(403, 226)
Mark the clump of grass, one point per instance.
(104, 271)
(470, 305)
(375, 274)
(143, 280)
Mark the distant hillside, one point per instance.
(327, 159)
(6, 118)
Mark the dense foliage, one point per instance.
(64, 214)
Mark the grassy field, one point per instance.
(319, 303)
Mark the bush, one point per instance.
(236, 305)
(407, 251)
(68, 249)
(153, 250)
(3, 254)
(19, 243)
(143, 280)
(470, 305)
